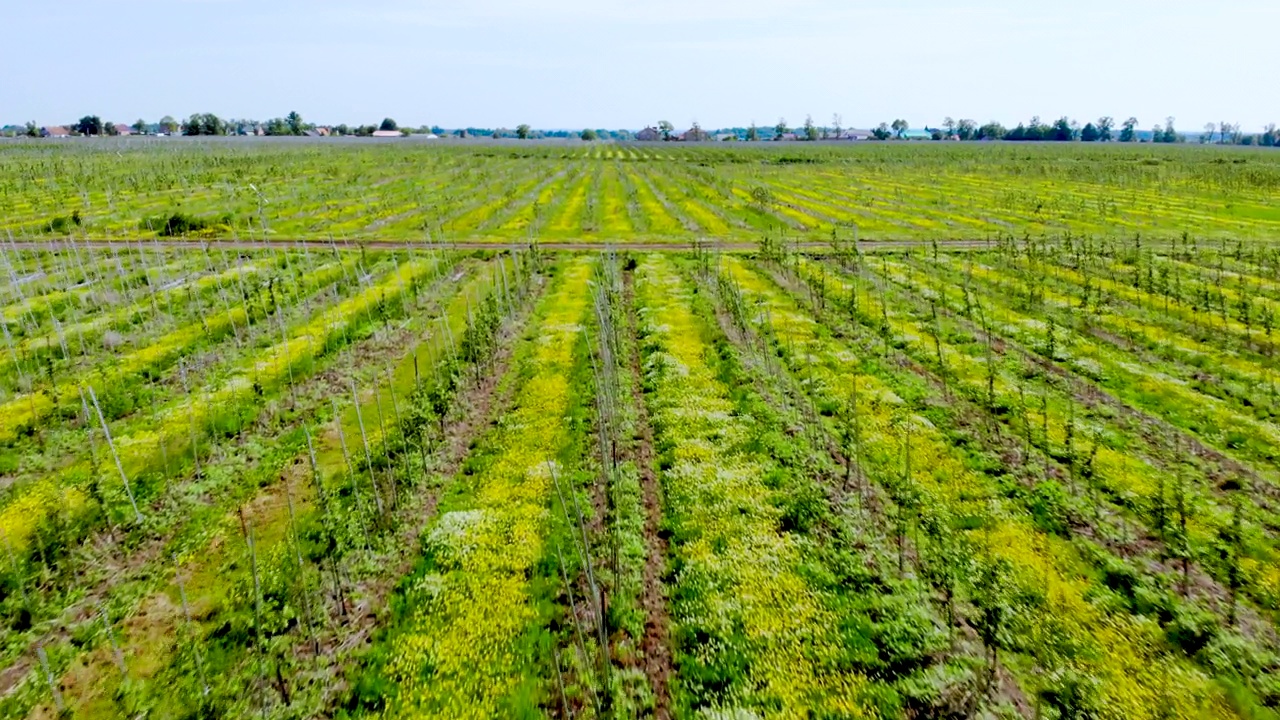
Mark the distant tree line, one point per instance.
(1066, 130)
(1104, 129)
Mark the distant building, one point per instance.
(124, 130)
(317, 132)
(695, 135)
(386, 133)
(54, 131)
(648, 134)
(856, 135)
(788, 136)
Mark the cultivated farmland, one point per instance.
(1033, 476)
(652, 193)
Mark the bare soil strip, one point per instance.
(657, 637)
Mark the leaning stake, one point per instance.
(111, 444)
(48, 677)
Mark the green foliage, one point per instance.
(203, 124)
(1050, 506)
(1128, 130)
(1191, 629)
(90, 125)
(64, 224)
(810, 130)
(179, 224)
(1071, 695)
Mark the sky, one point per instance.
(613, 64)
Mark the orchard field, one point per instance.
(646, 192)
(460, 475)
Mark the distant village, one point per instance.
(648, 134)
(62, 131)
(697, 134)
(292, 125)
(211, 125)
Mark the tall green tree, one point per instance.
(388, 124)
(1062, 130)
(294, 121)
(1089, 133)
(992, 131)
(667, 128)
(753, 133)
(882, 131)
(204, 124)
(1105, 125)
(588, 135)
(211, 124)
(899, 127)
(88, 125)
(810, 130)
(140, 126)
(1270, 136)
(1128, 130)
(523, 131)
(780, 129)
(168, 125)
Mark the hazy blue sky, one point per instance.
(609, 63)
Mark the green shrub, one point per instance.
(179, 224)
(1049, 506)
(63, 225)
(1230, 653)
(1121, 577)
(1071, 695)
(804, 506)
(1191, 629)
(949, 691)
(907, 634)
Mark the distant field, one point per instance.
(660, 192)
